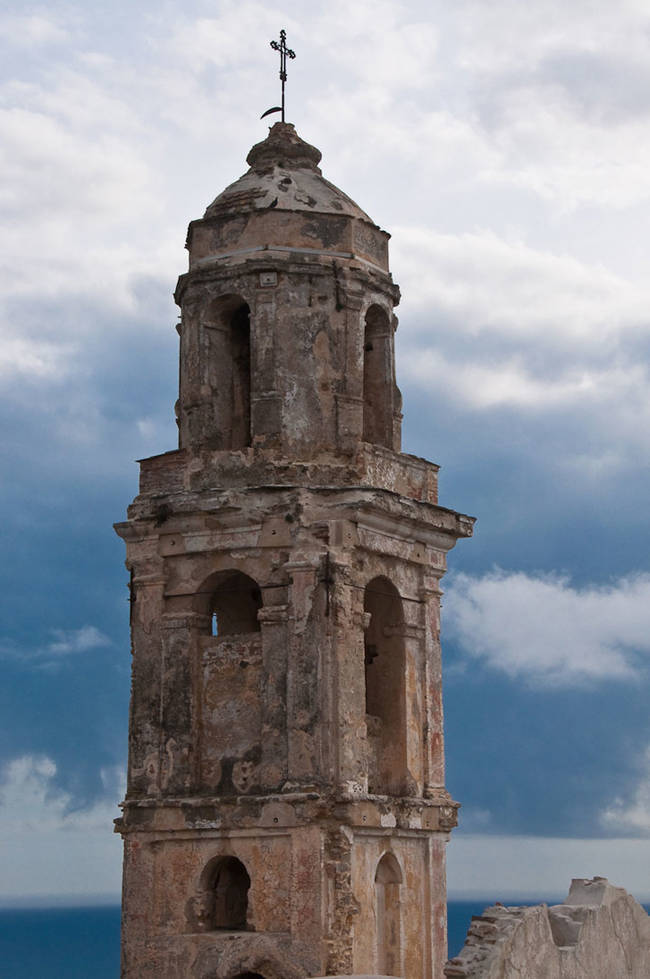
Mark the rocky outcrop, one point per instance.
(600, 932)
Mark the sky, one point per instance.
(506, 148)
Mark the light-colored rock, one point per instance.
(600, 932)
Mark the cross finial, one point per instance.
(285, 53)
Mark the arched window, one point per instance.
(231, 884)
(377, 378)
(228, 370)
(388, 879)
(385, 688)
(222, 900)
(234, 605)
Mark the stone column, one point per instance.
(273, 621)
(349, 403)
(304, 650)
(432, 734)
(215, 393)
(266, 414)
(144, 731)
(412, 636)
(350, 710)
(179, 698)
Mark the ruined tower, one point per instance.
(286, 814)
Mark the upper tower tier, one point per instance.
(287, 316)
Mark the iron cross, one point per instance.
(285, 53)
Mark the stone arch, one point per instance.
(228, 367)
(263, 958)
(223, 903)
(378, 377)
(229, 648)
(388, 880)
(385, 698)
(233, 601)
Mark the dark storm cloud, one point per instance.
(69, 451)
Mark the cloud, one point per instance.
(549, 29)
(21, 356)
(70, 642)
(632, 814)
(548, 633)
(563, 93)
(491, 323)
(32, 30)
(76, 641)
(49, 849)
(504, 288)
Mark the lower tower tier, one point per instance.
(283, 888)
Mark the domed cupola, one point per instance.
(284, 201)
(287, 315)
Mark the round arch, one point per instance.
(227, 369)
(232, 600)
(378, 379)
(388, 879)
(223, 887)
(388, 869)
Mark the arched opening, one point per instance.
(223, 902)
(388, 879)
(385, 688)
(228, 370)
(377, 378)
(231, 884)
(234, 605)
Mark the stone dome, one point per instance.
(284, 174)
(284, 204)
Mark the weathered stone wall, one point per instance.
(246, 744)
(600, 932)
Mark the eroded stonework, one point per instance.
(600, 932)
(286, 814)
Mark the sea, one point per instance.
(84, 943)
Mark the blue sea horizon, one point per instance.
(79, 942)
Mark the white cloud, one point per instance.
(76, 641)
(491, 285)
(528, 33)
(492, 322)
(568, 160)
(19, 355)
(511, 381)
(548, 633)
(65, 642)
(632, 814)
(47, 849)
(32, 30)
(501, 868)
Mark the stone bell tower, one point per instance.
(286, 814)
